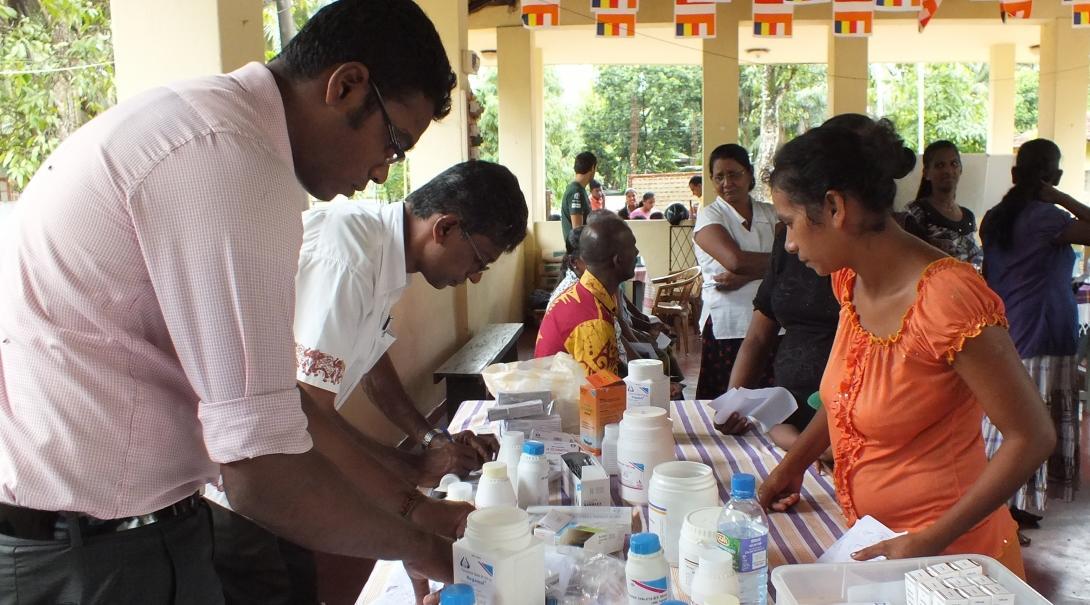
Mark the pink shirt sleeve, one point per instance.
(225, 284)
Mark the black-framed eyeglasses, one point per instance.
(481, 263)
(395, 141)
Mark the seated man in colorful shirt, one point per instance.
(580, 320)
(354, 265)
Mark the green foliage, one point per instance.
(1025, 105)
(798, 92)
(562, 139)
(301, 11)
(666, 101)
(955, 102)
(489, 122)
(38, 110)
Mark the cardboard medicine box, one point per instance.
(586, 482)
(601, 402)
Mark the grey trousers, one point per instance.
(256, 567)
(168, 563)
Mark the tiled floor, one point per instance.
(1058, 560)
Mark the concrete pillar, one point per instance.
(1062, 105)
(1001, 99)
(519, 89)
(159, 41)
(720, 99)
(847, 75)
(446, 142)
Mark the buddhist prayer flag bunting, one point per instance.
(540, 13)
(927, 11)
(772, 18)
(1020, 9)
(621, 5)
(903, 6)
(694, 19)
(615, 24)
(1080, 16)
(853, 18)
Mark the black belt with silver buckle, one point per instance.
(32, 524)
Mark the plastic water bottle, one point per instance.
(743, 531)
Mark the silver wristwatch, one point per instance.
(432, 434)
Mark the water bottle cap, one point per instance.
(742, 485)
(673, 602)
(460, 492)
(645, 543)
(494, 470)
(534, 448)
(457, 594)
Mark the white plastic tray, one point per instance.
(823, 584)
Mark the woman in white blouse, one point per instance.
(733, 239)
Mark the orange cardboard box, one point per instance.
(601, 402)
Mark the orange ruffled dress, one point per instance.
(905, 428)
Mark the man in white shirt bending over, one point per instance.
(354, 264)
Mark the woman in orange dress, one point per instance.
(921, 353)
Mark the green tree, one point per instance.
(1025, 106)
(56, 73)
(562, 141)
(776, 103)
(279, 26)
(955, 102)
(484, 88)
(562, 138)
(642, 119)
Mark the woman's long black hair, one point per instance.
(1038, 160)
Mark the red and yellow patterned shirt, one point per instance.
(580, 323)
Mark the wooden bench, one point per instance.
(494, 344)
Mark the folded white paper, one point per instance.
(867, 531)
(765, 407)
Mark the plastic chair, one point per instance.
(672, 302)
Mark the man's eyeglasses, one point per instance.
(482, 265)
(395, 142)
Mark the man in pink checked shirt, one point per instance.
(146, 312)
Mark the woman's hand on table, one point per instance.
(781, 490)
(910, 545)
(735, 424)
(447, 519)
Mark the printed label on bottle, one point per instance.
(686, 571)
(641, 592)
(479, 573)
(638, 396)
(750, 554)
(632, 474)
(656, 518)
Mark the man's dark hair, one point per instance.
(697, 180)
(485, 197)
(393, 38)
(585, 162)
